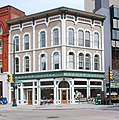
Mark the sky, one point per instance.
(34, 6)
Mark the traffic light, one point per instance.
(111, 75)
(10, 79)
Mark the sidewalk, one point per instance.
(54, 107)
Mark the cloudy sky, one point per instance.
(34, 6)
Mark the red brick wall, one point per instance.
(7, 13)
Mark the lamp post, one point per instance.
(14, 84)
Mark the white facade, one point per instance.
(58, 55)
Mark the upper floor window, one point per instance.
(56, 60)
(116, 12)
(81, 61)
(87, 62)
(42, 39)
(1, 31)
(17, 64)
(96, 62)
(87, 39)
(43, 62)
(26, 41)
(80, 38)
(0, 46)
(16, 43)
(71, 36)
(96, 40)
(26, 64)
(71, 60)
(56, 36)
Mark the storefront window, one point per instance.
(80, 93)
(47, 93)
(94, 92)
(80, 82)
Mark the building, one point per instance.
(109, 8)
(59, 55)
(6, 13)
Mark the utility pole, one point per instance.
(110, 78)
(14, 86)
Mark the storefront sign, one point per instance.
(56, 74)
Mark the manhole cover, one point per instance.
(53, 117)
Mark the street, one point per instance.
(59, 112)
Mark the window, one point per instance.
(56, 36)
(42, 39)
(17, 64)
(81, 61)
(17, 43)
(87, 62)
(56, 60)
(71, 36)
(115, 34)
(1, 30)
(116, 12)
(26, 64)
(116, 23)
(0, 46)
(26, 41)
(80, 38)
(43, 62)
(96, 62)
(71, 60)
(87, 39)
(0, 66)
(96, 40)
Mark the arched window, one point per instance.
(87, 62)
(16, 43)
(71, 60)
(81, 61)
(17, 64)
(96, 62)
(56, 36)
(43, 62)
(26, 41)
(42, 39)
(80, 38)
(96, 40)
(71, 36)
(26, 64)
(1, 31)
(56, 60)
(87, 39)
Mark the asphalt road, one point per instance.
(65, 112)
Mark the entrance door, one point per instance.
(29, 96)
(63, 96)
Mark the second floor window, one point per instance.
(0, 46)
(96, 62)
(71, 36)
(81, 61)
(26, 41)
(42, 39)
(16, 43)
(1, 30)
(17, 64)
(71, 60)
(26, 64)
(56, 36)
(56, 60)
(43, 62)
(87, 62)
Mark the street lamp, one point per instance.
(14, 81)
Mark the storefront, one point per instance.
(62, 90)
